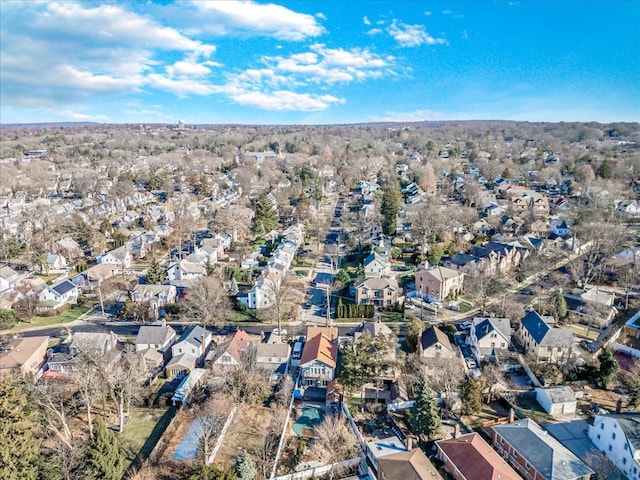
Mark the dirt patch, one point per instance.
(247, 432)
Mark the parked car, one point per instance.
(455, 308)
(471, 363)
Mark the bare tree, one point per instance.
(285, 298)
(444, 375)
(265, 452)
(87, 378)
(123, 380)
(212, 415)
(55, 402)
(335, 441)
(246, 383)
(208, 301)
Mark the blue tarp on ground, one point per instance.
(188, 448)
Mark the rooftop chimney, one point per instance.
(512, 415)
(456, 431)
(409, 443)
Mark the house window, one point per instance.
(610, 448)
(613, 436)
(598, 436)
(602, 426)
(527, 466)
(624, 461)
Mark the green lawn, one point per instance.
(66, 317)
(464, 306)
(144, 430)
(584, 332)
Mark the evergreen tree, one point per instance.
(246, 467)
(414, 329)
(472, 395)
(19, 448)
(266, 215)
(561, 306)
(104, 460)
(156, 274)
(424, 416)
(608, 368)
(390, 205)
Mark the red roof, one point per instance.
(238, 343)
(475, 459)
(321, 349)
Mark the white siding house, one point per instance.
(618, 437)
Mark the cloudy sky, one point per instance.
(319, 62)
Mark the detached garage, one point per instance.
(557, 400)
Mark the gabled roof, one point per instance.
(543, 452)
(321, 349)
(374, 328)
(239, 342)
(378, 283)
(330, 332)
(7, 272)
(442, 273)
(408, 465)
(434, 335)
(19, 351)
(194, 336)
(374, 257)
(535, 325)
(154, 334)
(485, 326)
(475, 459)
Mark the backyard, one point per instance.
(143, 432)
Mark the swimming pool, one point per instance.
(310, 416)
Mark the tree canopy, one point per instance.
(424, 416)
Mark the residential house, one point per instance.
(318, 362)
(617, 435)
(273, 359)
(557, 400)
(56, 262)
(156, 297)
(439, 282)
(154, 342)
(632, 327)
(408, 465)
(188, 352)
(469, 457)
(560, 228)
(373, 328)
(69, 248)
(8, 278)
(434, 343)
(542, 340)
(93, 343)
(120, 256)
(55, 296)
(489, 337)
(185, 270)
(376, 266)
(535, 454)
(379, 448)
(24, 356)
(229, 355)
(93, 277)
(381, 292)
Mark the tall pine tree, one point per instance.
(266, 215)
(390, 205)
(156, 274)
(104, 459)
(424, 416)
(19, 448)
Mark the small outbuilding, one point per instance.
(557, 400)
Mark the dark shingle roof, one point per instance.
(535, 325)
(434, 335)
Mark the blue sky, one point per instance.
(319, 62)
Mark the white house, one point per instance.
(185, 270)
(55, 261)
(617, 435)
(489, 337)
(557, 400)
(560, 228)
(157, 337)
(376, 266)
(118, 256)
(59, 294)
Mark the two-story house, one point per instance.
(318, 362)
(439, 282)
(188, 352)
(381, 292)
(376, 266)
(229, 355)
(154, 342)
(120, 256)
(156, 297)
(535, 454)
(434, 343)
(542, 341)
(59, 294)
(185, 270)
(489, 337)
(617, 435)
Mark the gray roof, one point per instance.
(374, 329)
(543, 452)
(194, 335)
(559, 394)
(488, 325)
(434, 335)
(154, 334)
(378, 283)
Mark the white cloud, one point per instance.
(366, 21)
(374, 31)
(427, 13)
(283, 100)
(62, 53)
(255, 19)
(412, 35)
(180, 86)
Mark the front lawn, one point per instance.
(66, 317)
